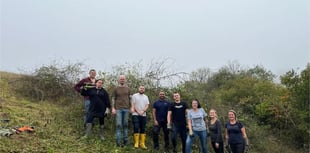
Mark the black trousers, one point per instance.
(139, 123)
(220, 149)
(237, 148)
(156, 131)
(90, 119)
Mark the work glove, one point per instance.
(82, 88)
(191, 133)
(227, 147)
(247, 148)
(107, 111)
(247, 145)
(169, 126)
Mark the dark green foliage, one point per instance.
(298, 100)
(260, 73)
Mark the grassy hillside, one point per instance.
(58, 128)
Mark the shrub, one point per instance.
(50, 82)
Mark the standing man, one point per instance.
(87, 82)
(159, 113)
(139, 105)
(120, 108)
(177, 120)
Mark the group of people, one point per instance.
(97, 102)
(172, 117)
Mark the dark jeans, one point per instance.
(156, 130)
(237, 148)
(220, 149)
(182, 132)
(139, 123)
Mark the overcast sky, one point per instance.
(191, 33)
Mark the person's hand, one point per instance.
(132, 110)
(247, 144)
(169, 126)
(113, 111)
(155, 122)
(217, 145)
(140, 113)
(107, 111)
(247, 148)
(191, 133)
(82, 88)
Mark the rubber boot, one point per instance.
(142, 138)
(101, 132)
(136, 139)
(88, 129)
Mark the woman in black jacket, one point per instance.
(99, 102)
(215, 129)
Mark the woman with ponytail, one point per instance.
(235, 134)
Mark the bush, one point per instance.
(50, 82)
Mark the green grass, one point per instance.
(59, 128)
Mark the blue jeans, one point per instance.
(139, 123)
(86, 104)
(203, 141)
(122, 116)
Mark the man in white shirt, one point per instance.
(139, 105)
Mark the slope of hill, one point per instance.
(58, 127)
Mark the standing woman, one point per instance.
(235, 134)
(215, 129)
(99, 102)
(196, 120)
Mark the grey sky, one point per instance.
(194, 34)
